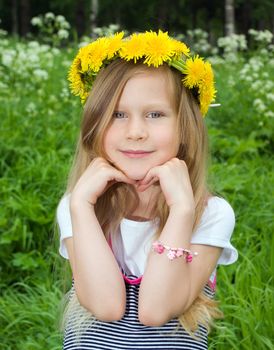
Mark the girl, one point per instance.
(140, 228)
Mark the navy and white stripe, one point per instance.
(129, 334)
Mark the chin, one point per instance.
(134, 173)
(135, 176)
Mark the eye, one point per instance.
(118, 115)
(155, 114)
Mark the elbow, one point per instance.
(102, 305)
(151, 321)
(110, 315)
(105, 311)
(159, 316)
(153, 318)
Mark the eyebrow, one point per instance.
(149, 106)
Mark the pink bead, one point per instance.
(189, 258)
(158, 247)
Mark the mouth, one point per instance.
(136, 154)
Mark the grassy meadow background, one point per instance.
(39, 127)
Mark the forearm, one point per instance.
(98, 281)
(165, 286)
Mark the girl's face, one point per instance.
(143, 132)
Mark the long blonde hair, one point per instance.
(113, 205)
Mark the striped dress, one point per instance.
(129, 334)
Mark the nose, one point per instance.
(136, 129)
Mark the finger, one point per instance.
(120, 177)
(149, 176)
(141, 187)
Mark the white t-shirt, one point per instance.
(132, 243)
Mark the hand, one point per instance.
(175, 184)
(96, 179)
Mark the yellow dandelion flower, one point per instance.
(83, 55)
(194, 71)
(208, 77)
(114, 44)
(203, 109)
(179, 48)
(74, 68)
(93, 55)
(158, 49)
(206, 87)
(76, 84)
(133, 48)
(207, 95)
(83, 97)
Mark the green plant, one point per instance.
(52, 29)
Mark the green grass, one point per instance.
(39, 127)
(246, 288)
(29, 317)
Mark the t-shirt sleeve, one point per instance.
(64, 223)
(215, 229)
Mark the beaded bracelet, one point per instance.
(173, 253)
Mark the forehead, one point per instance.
(148, 85)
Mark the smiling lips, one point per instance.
(136, 154)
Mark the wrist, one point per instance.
(182, 211)
(79, 204)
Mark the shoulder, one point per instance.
(218, 220)
(63, 202)
(218, 209)
(64, 223)
(63, 208)
(216, 228)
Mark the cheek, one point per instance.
(108, 141)
(168, 141)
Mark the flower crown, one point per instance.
(154, 49)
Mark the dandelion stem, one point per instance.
(180, 65)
